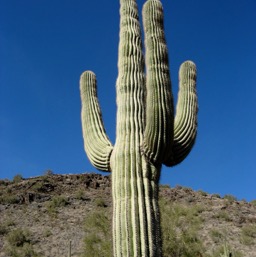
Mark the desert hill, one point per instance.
(43, 216)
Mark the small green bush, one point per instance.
(165, 186)
(180, 230)
(10, 222)
(47, 233)
(17, 178)
(225, 250)
(28, 251)
(48, 173)
(230, 198)
(55, 203)
(19, 244)
(3, 229)
(38, 186)
(201, 192)
(97, 241)
(25, 251)
(99, 202)
(79, 194)
(18, 237)
(216, 236)
(248, 235)
(59, 201)
(4, 182)
(222, 215)
(253, 202)
(9, 199)
(216, 195)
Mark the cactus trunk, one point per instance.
(147, 134)
(136, 228)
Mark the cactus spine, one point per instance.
(147, 133)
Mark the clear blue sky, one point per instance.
(46, 45)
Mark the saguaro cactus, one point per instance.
(147, 133)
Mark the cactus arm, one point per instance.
(158, 134)
(96, 142)
(185, 123)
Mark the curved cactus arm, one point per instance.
(158, 134)
(185, 123)
(96, 142)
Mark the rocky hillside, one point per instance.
(43, 216)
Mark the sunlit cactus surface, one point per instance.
(148, 134)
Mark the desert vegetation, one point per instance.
(40, 216)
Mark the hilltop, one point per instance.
(40, 217)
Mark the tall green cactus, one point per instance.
(147, 133)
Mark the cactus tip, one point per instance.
(189, 63)
(87, 73)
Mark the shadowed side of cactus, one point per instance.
(147, 133)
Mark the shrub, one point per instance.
(38, 186)
(97, 241)
(47, 233)
(165, 186)
(59, 201)
(10, 222)
(248, 235)
(17, 178)
(19, 244)
(222, 215)
(18, 237)
(9, 199)
(253, 202)
(225, 250)
(28, 251)
(201, 192)
(79, 194)
(99, 202)
(230, 198)
(3, 229)
(216, 195)
(56, 202)
(216, 236)
(25, 251)
(48, 173)
(4, 182)
(180, 230)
